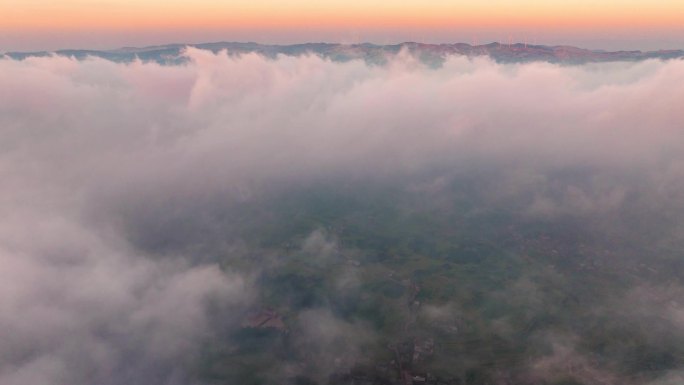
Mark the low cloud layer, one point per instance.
(97, 157)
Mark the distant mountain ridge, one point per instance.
(372, 53)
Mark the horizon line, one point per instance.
(152, 46)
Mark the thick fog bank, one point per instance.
(100, 162)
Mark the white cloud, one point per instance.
(87, 145)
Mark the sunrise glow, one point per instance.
(59, 24)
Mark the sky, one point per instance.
(100, 24)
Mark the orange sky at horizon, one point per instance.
(143, 21)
